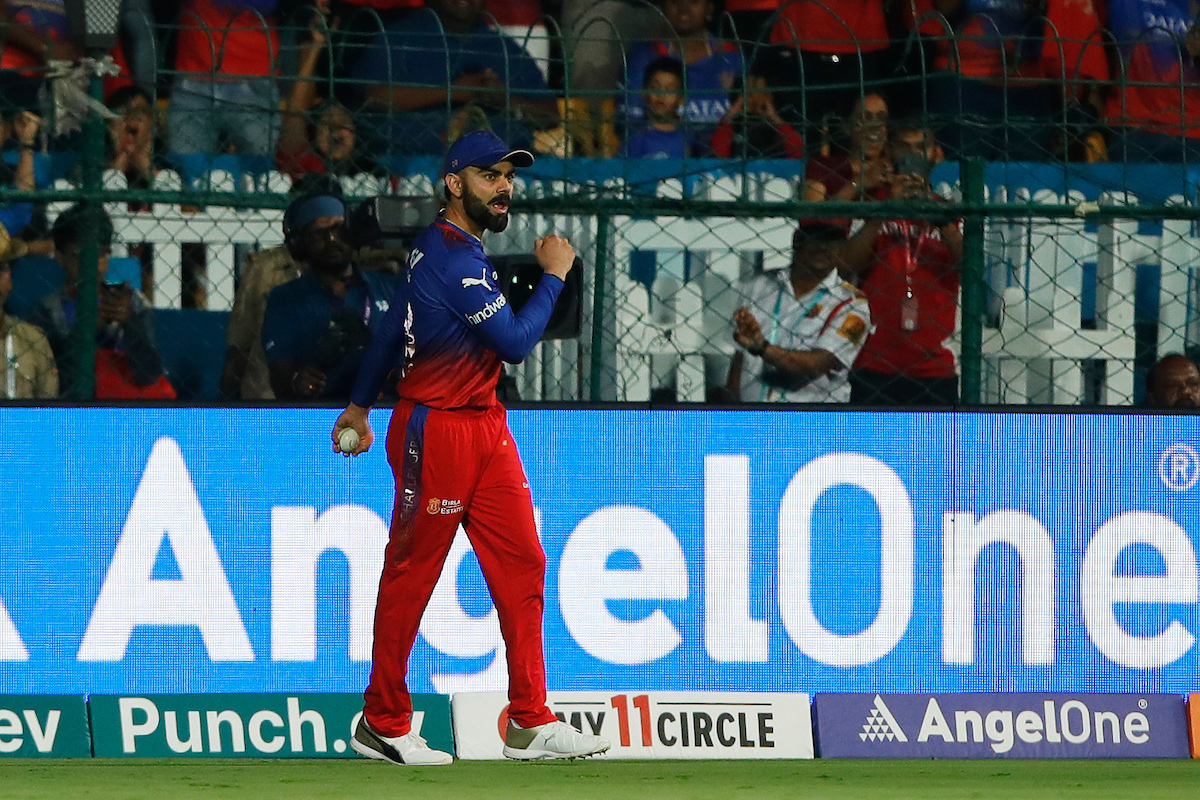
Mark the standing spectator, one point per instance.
(827, 55)
(29, 368)
(909, 271)
(318, 135)
(430, 63)
(1154, 109)
(1173, 382)
(858, 166)
(128, 363)
(660, 134)
(909, 136)
(316, 327)
(987, 90)
(225, 92)
(454, 460)
(754, 128)
(815, 326)
(711, 66)
(244, 374)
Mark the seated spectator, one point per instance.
(858, 166)
(1154, 108)
(1173, 382)
(318, 135)
(30, 371)
(317, 327)
(711, 66)
(753, 128)
(594, 33)
(909, 271)
(806, 327)
(660, 133)
(21, 136)
(426, 65)
(825, 56)
(128, 363)
(36, 33)
(244, 374)
(133, 146)
(224, 94)
(986, 89)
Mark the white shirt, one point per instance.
(832, 316)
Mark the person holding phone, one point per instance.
(909, 270)
(128, 362)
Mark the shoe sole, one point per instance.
(521, 754)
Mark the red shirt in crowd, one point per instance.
(910, 332)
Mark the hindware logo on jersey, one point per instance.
(1000, 725)
(488, 311)
(653, 724)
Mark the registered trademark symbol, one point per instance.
(1142, 704)
(1179, 467)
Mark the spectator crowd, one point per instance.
(872, 94)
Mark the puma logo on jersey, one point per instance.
(476, 282)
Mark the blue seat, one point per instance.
(192, 344)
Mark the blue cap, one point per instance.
(483, 149)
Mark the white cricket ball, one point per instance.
(348, 440)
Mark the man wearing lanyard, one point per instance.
(909, 271)
(316, 328)
(807, 327)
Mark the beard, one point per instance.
(332, 259)
(481, 213)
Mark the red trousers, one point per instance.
(451, 468)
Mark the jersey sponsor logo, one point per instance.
(469, 282)
(488, 311)
(436, 506)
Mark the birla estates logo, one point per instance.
(1012, 725)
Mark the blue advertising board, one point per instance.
(1001, 725)
(230, 550)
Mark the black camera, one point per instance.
(391, 221)
(519, 276)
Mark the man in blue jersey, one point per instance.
(453, 458)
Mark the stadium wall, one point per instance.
(221, 550)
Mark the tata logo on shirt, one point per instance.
(1001, 725)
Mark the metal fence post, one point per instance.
(83, 336)
(972, 281)
(600, 289)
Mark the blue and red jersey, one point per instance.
(449, 327)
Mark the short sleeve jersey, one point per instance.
(832, 316)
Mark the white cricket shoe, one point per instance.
(553, 740)
(409, 749)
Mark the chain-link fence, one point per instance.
(1053, 267)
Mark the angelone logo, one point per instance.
(1001, 724)
(881, 725)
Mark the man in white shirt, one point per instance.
(801, 329)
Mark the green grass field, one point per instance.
(219, 779)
